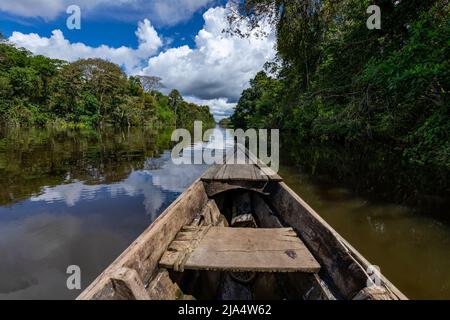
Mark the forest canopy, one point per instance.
(336, 81)
(38, 91)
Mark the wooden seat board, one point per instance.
(235, 172)
(242, 249)
(263, 168)
(211, 172)
(248, 168)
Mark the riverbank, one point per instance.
(88, 93)
(374, 171)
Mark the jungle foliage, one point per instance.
(337, 82)
(38, 91)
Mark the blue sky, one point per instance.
(98, 29)
(179, 40)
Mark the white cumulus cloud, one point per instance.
(218, 68)
(220, 107)
(162, 12)
(214, 72)
(171, 12)
(48, 9)
(58, 47)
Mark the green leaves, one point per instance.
(35, 90)
(340, 82)
(24, 81)
(258, 105)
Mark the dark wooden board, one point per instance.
(248, 169)
(241, 249)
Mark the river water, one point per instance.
(81, 197)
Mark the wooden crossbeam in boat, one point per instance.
(239, 172)
(242, 172)
(253, 159)
(239, 249)
(250, 168)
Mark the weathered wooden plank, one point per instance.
(227, 172)
(220, 173)
(211, 172)
(144, 253)
(264, 215)
(244, 155)
(213, 188)
(269, 173)
(131, 280)
(264, 170)
(259, 175)
(211, 213)
(124, 284)
(345, 266)
(113, 290)
(239, 172)
(163, 288)
(296, 283)
(241, 165)
(246, 249)
(334, 258)
(373, 293)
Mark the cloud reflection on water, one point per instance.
(154, 185)
(84, 224)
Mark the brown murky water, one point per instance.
(411, 249)
(81, 197)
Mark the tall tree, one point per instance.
(36, 90)
(175, 100)
(344, 82)
(150, 83)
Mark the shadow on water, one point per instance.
(396, 215)
(375, 173)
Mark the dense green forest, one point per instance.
(337, 82)
(38, 91)
(226, 123)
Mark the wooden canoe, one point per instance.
(239, 232)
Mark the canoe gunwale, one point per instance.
(144, 253)
(342, 249)
(215, 188)
(341, 263)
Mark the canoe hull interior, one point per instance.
(136, 273)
